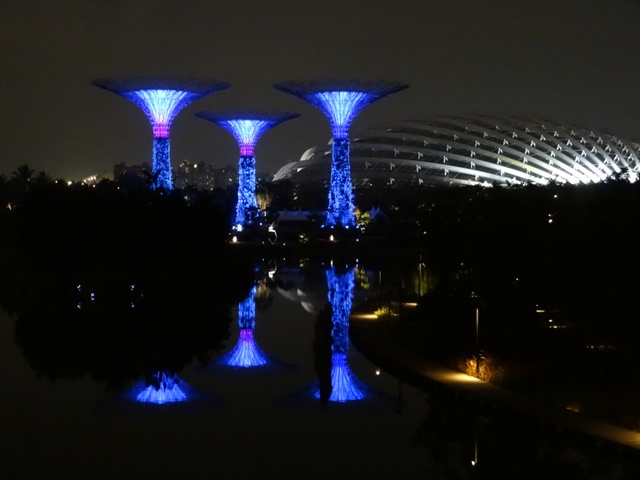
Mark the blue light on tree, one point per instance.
(163, 389)
(340, 209)
(246, 128)
(340, 102)
(344, 385)
(161, 101)
(246, 353)
(161, 169)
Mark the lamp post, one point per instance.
(474, 462)
(380, 283)
(420, 277)
(477, 342)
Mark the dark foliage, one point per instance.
(116, 284)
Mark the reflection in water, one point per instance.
(343, 381)
(344, 386)
(246, 353)
(164, 388)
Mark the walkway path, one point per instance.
(371, 337)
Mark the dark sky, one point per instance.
(565, 60)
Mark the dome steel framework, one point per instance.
(476, 150)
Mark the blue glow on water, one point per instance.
(246, 353)
(167, 389)
(247, 311)
(340, 210)
(340, 292)
(345, 387)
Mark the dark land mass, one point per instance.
(528, 257)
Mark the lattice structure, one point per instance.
(246, 128)
(160, 100)
(340, 102)
(477, 150)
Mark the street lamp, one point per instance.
(477, 342)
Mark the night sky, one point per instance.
(567, 60)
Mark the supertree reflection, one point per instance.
(246, 353)
(163, 388)
(345, 387)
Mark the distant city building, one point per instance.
(204, 176)
(475, 150)
(132, 173)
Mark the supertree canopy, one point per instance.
(161, 100)
(340, 102)
(247, 128)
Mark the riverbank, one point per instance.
(395, 348)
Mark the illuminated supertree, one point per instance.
(344, 386)
(163, 388)
(246, 353)
(161, 100)
(247, 128)
(340, 102)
